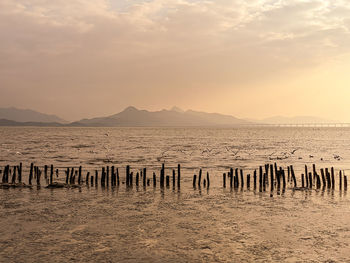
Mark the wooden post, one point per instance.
(96, 178)
(113, 179)
(162, 174)
(208, 180)
(288, 174)
(333, 180)
(242, 179)
(137, 179)
(284, 179)
(71, 175)
(173, 177)
(264, 183)
(199, 177)
(271, 179)
(345, 183)
(117, 174)
(31, 173)
(87, 178)
(103, 176)
(260, 178)
(224, 180)
(144, 176)
(307, 178)
(67, 175)
(79, 175)
(131, 178)
(178, 175)
(45, 171)
(254, 175)
(293, 176)
(167, 181)
(340, 180)
(51, 174)
(38, 177)
(107, 175)
(127, 171)
(248, 181)
(20, 173)
(323, 178)
(13, 181)
(194, 181)
(328, 176)
(236, 182)
(154, 179)
(92, 180)
(231, 177)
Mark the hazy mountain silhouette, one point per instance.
(174, 117)
(20, 115)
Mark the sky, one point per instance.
(250, 59)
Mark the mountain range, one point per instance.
(132, 116)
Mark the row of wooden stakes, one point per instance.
(109, 176)
(326, 178)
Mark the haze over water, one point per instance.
(174, 225)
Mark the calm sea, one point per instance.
(174, 225)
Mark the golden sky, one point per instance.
(251, 59)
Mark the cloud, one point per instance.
(163, 47)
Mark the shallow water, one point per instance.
(174, 225)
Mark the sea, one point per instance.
(175, 224)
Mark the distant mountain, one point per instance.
(20, 115)
(174, 117)
(295, 120)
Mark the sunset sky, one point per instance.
(251, 59)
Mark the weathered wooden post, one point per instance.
(306, 177)
(96, 178)
(167, 181)
(31, 173)
(340, 180)
(242, 178)
(103, 176)
(20, 173)
(283, 179)
(260, 178)
(194, 181)
(127, 171)
(199, 177)
(271, 179)
(162, 174)
(173, 178)
(236, 181)
(154, 179)
(328, 176)
(107, 175)
(144, 176)
(333, 180)
(254, 175)
(92, 180)
(231, 177)
(323, 178)
(293, 176)
(51, 174)
(178, 175)
(137, 178)
(248, 181)
(131, 178)
(224, 180)
(118, 180)
(208, 180)
(13, 180)
(79, 175)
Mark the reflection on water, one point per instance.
(190, 224)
